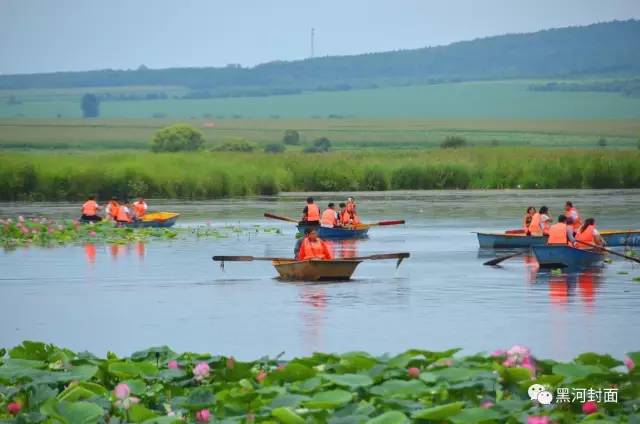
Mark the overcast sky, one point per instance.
(59, 35)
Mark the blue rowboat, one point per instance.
(339, 233)
(621, 237)
(155, 220)
(561, 256)
(502, 240)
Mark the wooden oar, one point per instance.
(613, 252)
(399, 256)
(281, 218)
(381, 223)
(496, 261)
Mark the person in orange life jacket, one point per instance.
(571, 212)
(526, 221)
(124, 213)
(90, 210)
(355, 219)
(139, 208)
(112, 208)
(310, 213)
(588, 235)
(329, 216)
(343, 217)
(561, 233)
(313, 247)
(540, 222)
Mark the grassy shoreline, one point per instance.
(209, 175)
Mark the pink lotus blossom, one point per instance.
(92, 233)
(519, 351)
(445, 362)
(203, 416)
(20, 218)
(527, 362)
(498, 352)
(24, 230)
(201, 371)
(231, 362)
(413, 372)
(172, 364)
(261, 376)
(14, 407)
(629, 363)
(590, 407)
(122, 391)
(486, 404)
(540, 419)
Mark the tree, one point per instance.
(274, 148)
(90, 106)
(177, 138)
(237, 145)
(320, 145)
(291, 137)
(602, 142)
(453, 141)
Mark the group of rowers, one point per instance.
(313, 247)
(345, 217)
(124, 212)
(569, 230)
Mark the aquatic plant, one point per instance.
(46, 232)
(42, 383)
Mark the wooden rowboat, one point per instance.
(339, 233)
(155, 220)
(511, 240)
(316, 270)
(561, 256)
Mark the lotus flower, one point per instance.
(92, 233)
(629, 363)
(540, 419)
(413, 372)
(201, 371)
(20, 218)
(203, 416)
(519, 351)
(486, 404)
(590, 407)
(122, 391)
(498, 352)
(172, 364)
(261, 376)
(14, 407)
(231, 362)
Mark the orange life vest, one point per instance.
(90, 208)
(114, 208)
(586, 236)
(354, 219)
(140, 208)
(534, 226)
(313, 212)
(558, 234)
(122, 215)
(329, 218)
(314, 249)
(526, 222)
(345, 217)
(575, 217)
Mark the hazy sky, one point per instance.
(57, 35)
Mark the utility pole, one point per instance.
(313, 47)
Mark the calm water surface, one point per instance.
(125, 298)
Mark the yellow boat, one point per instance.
(155, 220)
(316, 270)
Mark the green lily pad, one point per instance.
(329, 400)
(351, 381)
(440, 412)
(391, 417)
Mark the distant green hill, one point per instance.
(603, 49)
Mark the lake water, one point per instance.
(126, 298)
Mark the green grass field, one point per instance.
(469, 100)
(203, 175)
(345, 134)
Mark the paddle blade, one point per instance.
(396, 222)
(384, 256)
(496, 261)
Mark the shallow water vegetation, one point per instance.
(41, 383)
(47, 232)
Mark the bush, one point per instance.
(291, 137)
(320, 145)
(239, 145)
(453, 142)
(374, 179)
(602, 142)
(177, 138)
(90, 106)
(275, 148)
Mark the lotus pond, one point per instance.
(44, 383)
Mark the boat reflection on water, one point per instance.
(564, 283)
(314, 300)
(344, 249)
(115, 251)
